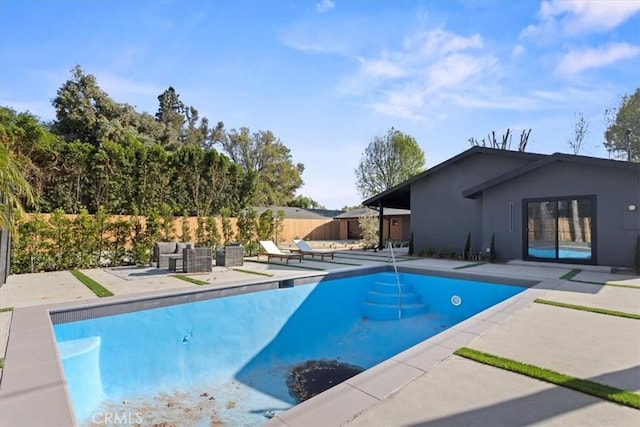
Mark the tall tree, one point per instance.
(388, 161)
(623, 128)
(171, 113)
(267, 161)
(82, 109)
(580, 131)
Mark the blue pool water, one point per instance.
(562, 253)
(226, 360)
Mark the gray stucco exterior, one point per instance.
(614, 190)
(440, 217)
(483, 191)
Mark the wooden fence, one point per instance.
(309, 229)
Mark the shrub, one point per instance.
(227, 231)
(369, 226)
(411, 244)
(467, 246)
(430, 251)
(185, 229)
(492, 248)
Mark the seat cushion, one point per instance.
(166, 247)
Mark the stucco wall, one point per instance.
(614, 189)
(440, 216)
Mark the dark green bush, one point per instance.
(467, 247)
(411, 244)
(492, 248)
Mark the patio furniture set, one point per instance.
(186, 258)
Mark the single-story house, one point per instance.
(395, 224)
(556, 207)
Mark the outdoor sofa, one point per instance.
(163, 251)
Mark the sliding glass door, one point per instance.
(560, 229)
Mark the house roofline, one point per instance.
(473, 192)
(405, 186)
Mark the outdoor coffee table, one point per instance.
(175, 263)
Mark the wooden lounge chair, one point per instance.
(272, 251)
(305, 249)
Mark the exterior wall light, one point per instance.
(632, 208)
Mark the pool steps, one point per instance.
(383, 301)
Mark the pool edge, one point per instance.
(46, 387)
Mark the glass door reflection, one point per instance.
(541, 229)
(574, 228)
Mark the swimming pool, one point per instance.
(226, 359)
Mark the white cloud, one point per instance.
(438, 40)
(455, 70)
(574, 17)
(431, 64)
(518, 50)
(382, 68)
(125, 90)
(579, 60)
(325, 5)
(315, 40)
(405, 104)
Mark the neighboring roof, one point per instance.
(328, 213)
(400, 195)
(291, 212)
(474, 191)
(360, 212)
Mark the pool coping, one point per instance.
(33, 376)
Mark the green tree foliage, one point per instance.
(227, 230)
(247, 231)
(265, 225)
(620, 121)
(267, 163)
(171, 114)
(185, 228)
(369, 227)
(303, 202)
(100, 154)
(86, 113)
(31, 145)
(388, 161)
(14, 187)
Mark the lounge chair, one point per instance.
(272, 251)
(305, 249)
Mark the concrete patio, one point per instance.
(423, 385)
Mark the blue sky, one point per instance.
(326, 76)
